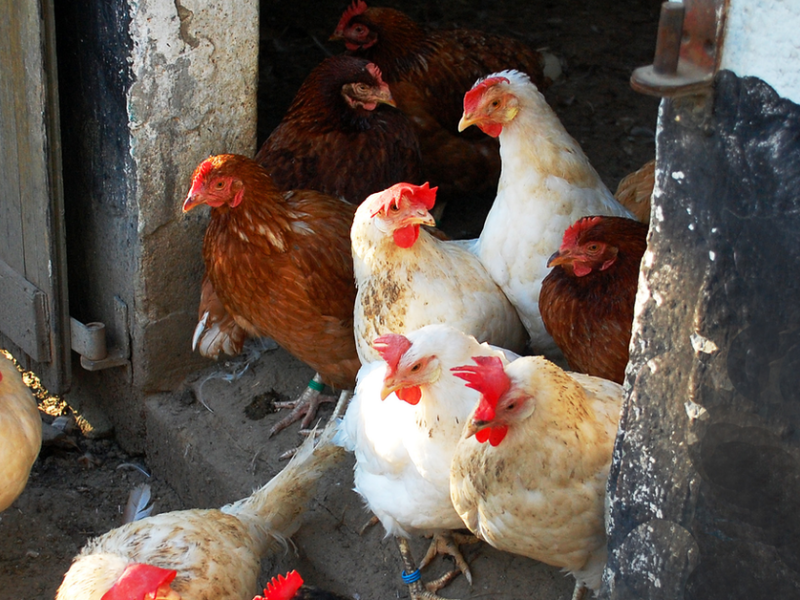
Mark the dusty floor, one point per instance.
(77, 488)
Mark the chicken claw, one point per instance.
(416, 589)
(305, 406)
(447, 542)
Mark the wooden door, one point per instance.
(34, 321)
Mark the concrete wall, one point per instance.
(148, 90)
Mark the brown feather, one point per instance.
(636, 189)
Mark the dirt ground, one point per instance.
(78, 486)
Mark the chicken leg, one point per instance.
(581, 591)
(447, 542)
(305, 406)
(416, 589)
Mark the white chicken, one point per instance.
(403, 448)
(407, 278)
(20, 432)
(201, 554)
(546, 184)
(538, 487)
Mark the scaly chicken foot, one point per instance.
(448, 542)
(305, 406)
(581, 592)
(416, 589)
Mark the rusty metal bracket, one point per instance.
(688, 48)
(89, 340)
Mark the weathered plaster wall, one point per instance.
(761, 40)
(194, 93)
(148, 89)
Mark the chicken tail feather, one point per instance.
(273, 511)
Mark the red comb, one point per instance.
(200, 174)
(282, 588)
(578, 227)
(137, 580)
(391, 347)
(356, 8)
(473, 96)
(375, 71)
(422, 194)
(488, 377)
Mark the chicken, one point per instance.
(403, 448)
(292, 587)
(635, 190)
(280, 263)
(407, 278)
(538, 487)
(198, 554)
(20, 432)
(340, 137)
(587, 299)
(428, 73)
(545, 185)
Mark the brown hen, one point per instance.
(280, 263)
(342, 135)
(587, 299)
(429, 72)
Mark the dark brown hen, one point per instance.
(342, 135)
(587, 300)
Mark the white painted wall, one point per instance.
(762, 39)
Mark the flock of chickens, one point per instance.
(449, 353)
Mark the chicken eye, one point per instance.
(394, 207)
(416, 368)
(593, 247)
(511, 406)
(219, 185)
(495, 103)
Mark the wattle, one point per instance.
(491, 129)
(494, 435)
(406, 236)
(411, 395)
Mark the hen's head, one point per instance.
(337, 87)
(408, 368)
(492, 102)
(354, 28)
(586, 247)
(368, 93)
(489, 378)
(222, 180)
(282, 588)
(400, 210)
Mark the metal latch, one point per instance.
(89, 340)
(687, 49)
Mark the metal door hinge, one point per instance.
(90, 341)
(688, 49)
